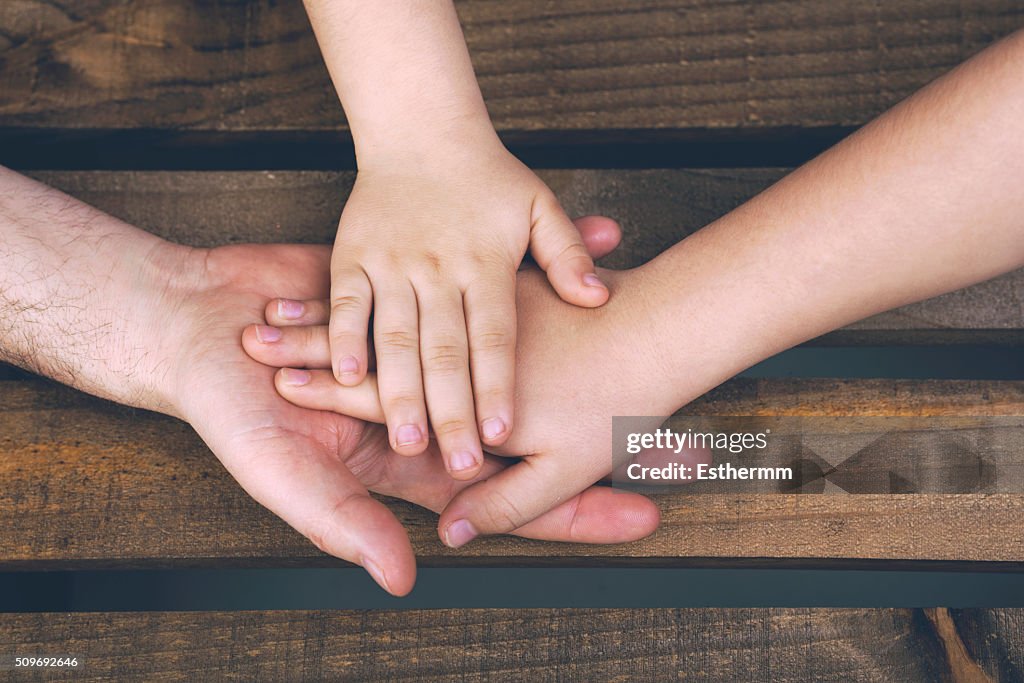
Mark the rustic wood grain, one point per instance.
(962, 667)
(661, 65)
(779, 645)
(89, 483)
(1001, 657)
(656, 208)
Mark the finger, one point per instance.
(598, 515)
(295, 476)
(446, 381)
(317, 390)
(399, 374)
(308, 348)
(351, 301)
(290, 312)
(514, 497)
(556, 246)
(297, 347)
(600, 234)
(491, 323)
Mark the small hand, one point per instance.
(577, 369)
(313, 468)
(433, 252)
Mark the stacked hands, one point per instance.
(466, 345)
(485, 356)
(570, 381)
(313, 458)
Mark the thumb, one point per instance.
(556, 246)
(514, 497)
(301, 480)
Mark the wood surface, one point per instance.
(779, 645)
(88, 484)
(656, 208)
(576, 65)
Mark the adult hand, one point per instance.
(105, 307)
(313, 468)
(575, 374)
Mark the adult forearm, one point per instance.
(403, 74)
(924, 200)
(80, 295)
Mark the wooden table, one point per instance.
(661, 99)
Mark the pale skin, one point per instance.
(102, 306)
(924, 200)
(439, 220)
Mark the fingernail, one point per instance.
(295, 378)
(349, 365)
(375, 571)
(459, 533)
(592, 280)
(493, 427)
(265, 334)
(408, 435)
(289, 309)
(462, 460)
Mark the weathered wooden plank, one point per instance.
(669, 65)
(657, 208)
(88, 483)
(779, 645)
(1001, 656)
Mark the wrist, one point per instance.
(632, 338)
(700, 310)
(86, 297)
(449, 140)
(154, 298)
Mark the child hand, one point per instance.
(432, 248)
(577, 370)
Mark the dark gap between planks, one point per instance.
(351, 588)
(170, 150)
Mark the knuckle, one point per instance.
(347, 304)
(318, 535)
(322, 530)
(307, 337)
(451, 427)
(445, 359)
(494, 340)
(400, 400)
(488, 261)
(546, 199)
(385, 262)
(574, 251)
(433, 262)
(392, 342)
(502, 514)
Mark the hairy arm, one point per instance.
(78, 295)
